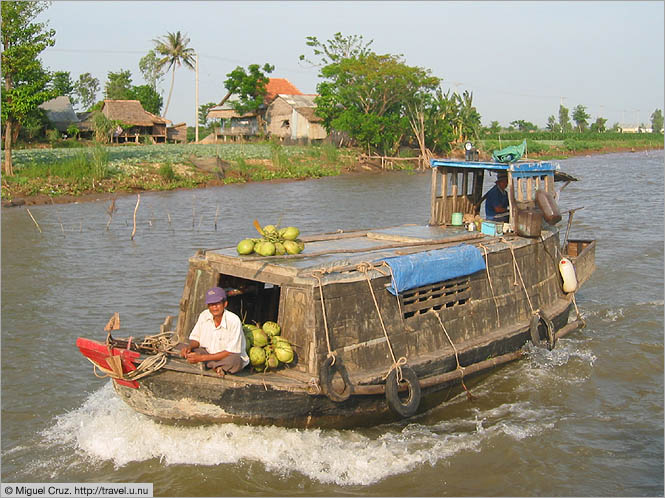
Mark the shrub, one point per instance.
(167, 172)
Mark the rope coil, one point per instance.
(148, 366)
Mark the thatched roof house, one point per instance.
(60, 113)
(293, 117)
(138, 121)
(130, 112)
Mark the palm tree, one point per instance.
(174, 52)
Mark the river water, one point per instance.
(583, 420)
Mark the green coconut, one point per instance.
(283, 354)
(259, 338)
(280, 249)
(290, 233)
(257, 356)
(270, 231)
(291, 247)
(245, 246)
(265, 249)
(301, 244)
(272, 361)
(275, 339)
(271, 328)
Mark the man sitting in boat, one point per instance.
(217, 337)
(496, 199)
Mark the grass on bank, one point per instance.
(131, 167)
(547, 145)
(74, 171)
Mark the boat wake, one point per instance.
(105, 431)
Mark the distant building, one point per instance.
(287, 114)
(60, 113)
(136, 121)
(632, 128)
(293, 118)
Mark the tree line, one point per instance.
(377, 100)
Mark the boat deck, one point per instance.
(340, 249)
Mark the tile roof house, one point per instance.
(292, 117)
(282, 100)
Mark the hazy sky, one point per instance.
(520, 59)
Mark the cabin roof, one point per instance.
(518, 169)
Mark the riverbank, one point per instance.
(56, 176)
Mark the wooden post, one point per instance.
(136, 208)
(34, 221)
(59, 219)
(444, 198)
(432, 196)
(454, 194)
(111, 209)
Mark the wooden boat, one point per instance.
(462, 303)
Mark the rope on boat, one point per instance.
(317, 274)
(148, 366)
(162, 342)
(397, 364)
(516, 267)
(551, 337)
(459, 366)
(489, 279)
(579, 315)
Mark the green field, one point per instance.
(78, 169)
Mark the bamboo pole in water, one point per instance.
(58, 215)
(34, 221)
(136, 208)
(111, 209)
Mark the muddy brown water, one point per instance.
(583, 420)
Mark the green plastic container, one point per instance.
(457, 219)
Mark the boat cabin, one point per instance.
(457, 187)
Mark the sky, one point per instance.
(520, 59)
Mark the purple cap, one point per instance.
(215, 295)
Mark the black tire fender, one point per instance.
(550, 342)
(395, 403)
(329, 367)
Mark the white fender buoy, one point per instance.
(567, 271)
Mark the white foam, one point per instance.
(105, 429)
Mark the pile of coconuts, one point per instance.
(266, 348)
(274, 242)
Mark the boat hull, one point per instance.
(178, 397)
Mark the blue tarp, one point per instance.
(416, 270)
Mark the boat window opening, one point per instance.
(252, 301)
(446, 294)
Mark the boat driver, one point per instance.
(496, 199)
(217, 338)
